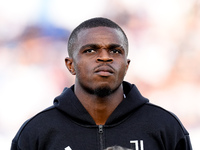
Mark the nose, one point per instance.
(104, 56)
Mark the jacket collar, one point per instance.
(68, 103)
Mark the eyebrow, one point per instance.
(96, 46)
(112, 46)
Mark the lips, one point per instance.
(104, 71)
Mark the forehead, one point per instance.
(100, 35)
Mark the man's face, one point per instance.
(100, 60)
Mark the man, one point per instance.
(101, 110)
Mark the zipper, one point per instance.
(101, 136)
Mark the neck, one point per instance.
(100, 108)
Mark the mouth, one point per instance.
(104, 71)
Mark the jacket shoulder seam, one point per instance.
(29, 120)
(172, 115)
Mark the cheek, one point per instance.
(82, 69)
(122, 69)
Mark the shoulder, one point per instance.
(162, 116)
(35, 120)
(169, 127)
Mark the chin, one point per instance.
(100, 89)
(103, 91)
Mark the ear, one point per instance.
(70, 65)
(127, 64)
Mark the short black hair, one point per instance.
(92, 23)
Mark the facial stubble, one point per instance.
(101, 91)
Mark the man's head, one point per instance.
(117, 148)
(92, 23)
(98, 50)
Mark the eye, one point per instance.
(115, 51)
(89, 51)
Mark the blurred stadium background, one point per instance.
(164, 39)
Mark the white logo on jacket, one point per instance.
(68, 148)
(137, 144)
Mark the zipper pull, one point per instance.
(100, 128)
(101, 136)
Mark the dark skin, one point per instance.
(99, 61)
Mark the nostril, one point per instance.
(104, 59)
(99, 60)
(110, 60)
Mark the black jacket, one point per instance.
(135, 124)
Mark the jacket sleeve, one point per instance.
(14, 146)
(184, 144)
